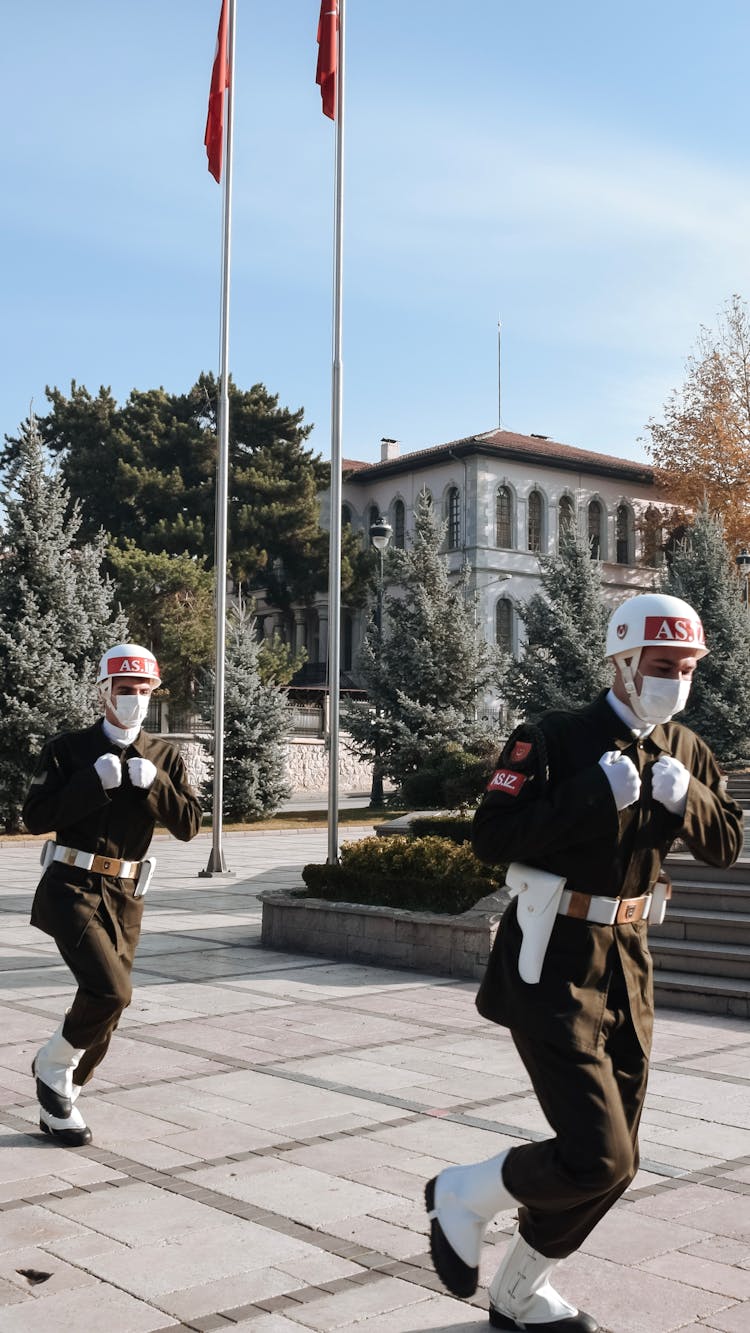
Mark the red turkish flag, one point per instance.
(214, 136)
(328, 55)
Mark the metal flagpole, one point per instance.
(334, 561)
(499, 379)
(216, 861)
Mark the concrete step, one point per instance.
(713, 925)
(712, 995)
(706, 958)
(710, 896)
(684, 869)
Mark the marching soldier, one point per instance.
(585, 806)
(103, 790)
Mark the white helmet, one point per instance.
(651, 620)
(127, 659)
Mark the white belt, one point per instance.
(93, 861)
(604, 911)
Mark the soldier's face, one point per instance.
(126, 685)
(668, 663)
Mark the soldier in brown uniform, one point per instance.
(586, 806)
(103, 790)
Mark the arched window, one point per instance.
(504, 518)
(504, 624)
(653, 537)
(595, 529)
(347, 638)
(346, 516)
(374, 517)
(623, 529)
(536, 512)
(399, 525)
(566, 515)
(453, 514)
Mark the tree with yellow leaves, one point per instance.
(701, 448)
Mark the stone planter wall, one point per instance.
(456, 946)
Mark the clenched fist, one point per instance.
(622, 776)
(109, 770)
(142, 772)
(669, 784)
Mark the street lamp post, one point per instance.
(380, 535)
(742, 562)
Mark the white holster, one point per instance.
(538, 893)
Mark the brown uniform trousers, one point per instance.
(584, 1030)
(95, 920)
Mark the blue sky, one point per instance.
(578, 170)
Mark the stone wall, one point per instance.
(307, 767)
(306, 760)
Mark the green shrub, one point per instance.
(452, 776)
(419, 874)
(441, 826)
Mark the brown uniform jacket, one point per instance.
(67, 797)
(550, 805)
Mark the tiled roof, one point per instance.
(507, 444)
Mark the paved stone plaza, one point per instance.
(264, 1125)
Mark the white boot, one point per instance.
(522, 1297)
(71, 1131)
(53, 1068)
(460, 1202)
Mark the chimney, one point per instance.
(388, 449)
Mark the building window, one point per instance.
(504, 518)
(347, 636)
(504, 624)
(454, 518)
(535, 521)
(346, 516)
(623, 531)
(566, 515)
(595, 530)
(653, 537)
(374, 517)
(399, 525)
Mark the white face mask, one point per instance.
(660, 698)
(130, 709)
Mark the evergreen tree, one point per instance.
(702, 573)
(562, 664)
(254, 725)
(156, 456)
(56, 620)
(426, 671)
(170, 600)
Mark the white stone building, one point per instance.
(504, 496)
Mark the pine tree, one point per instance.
(255, 781)
(426, 672)
(562, 664)
(701, 572)
(56, 620)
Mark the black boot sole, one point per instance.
(453, 1272)
(68, 1138)
(49, 1100)
(578, 1323)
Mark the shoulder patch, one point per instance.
(506, 780)
(521, 750)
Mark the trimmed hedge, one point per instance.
(442, 826)
(418, 874)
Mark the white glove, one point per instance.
(622, 776)
(142, 772)
(669, 784)
(109, 770)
